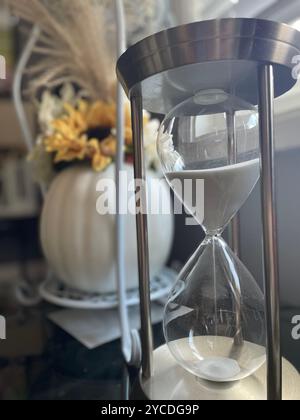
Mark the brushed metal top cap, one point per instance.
(172, 65)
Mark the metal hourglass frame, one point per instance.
(255, 58)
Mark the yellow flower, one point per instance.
(101, 114)
(77, 117)
(109, 146)
(66, 149)
(92, 147)
(69, 140)
(100, 162)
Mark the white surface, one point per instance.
(171, 382)
(218, 358)
(95, 328)
(218, 369)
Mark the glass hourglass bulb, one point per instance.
(214, 321)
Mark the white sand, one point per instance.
(225, 191)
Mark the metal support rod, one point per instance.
(234, 229)
(142, 235)
(271, 278)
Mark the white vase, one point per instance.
(79, 243)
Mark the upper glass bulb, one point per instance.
(214, 319)
(217, 134)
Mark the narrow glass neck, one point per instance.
(213, 233)
(214, 239)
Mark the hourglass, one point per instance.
(214, 82)
(214, 320)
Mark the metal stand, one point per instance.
(142, 236)
(266, 112)
(162, 71)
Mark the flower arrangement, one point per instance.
(76, 47)
(72, 81)
(74, 130)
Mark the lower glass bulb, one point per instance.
(214, 320)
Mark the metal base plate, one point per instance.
(171, 382)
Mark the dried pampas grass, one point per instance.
(75, 45)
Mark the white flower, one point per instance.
(171, 159)
(52, 106)
(150, 140)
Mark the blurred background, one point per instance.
(22, 267)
